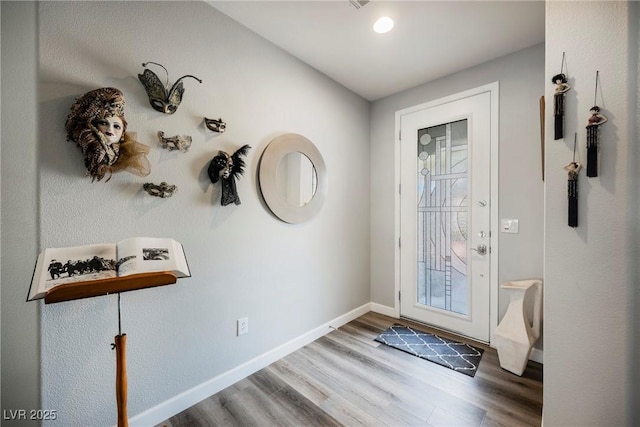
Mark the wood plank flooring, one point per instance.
(347, 379)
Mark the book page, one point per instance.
(150, 254)
(59, 266)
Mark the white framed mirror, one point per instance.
(293, 178)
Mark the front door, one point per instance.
(445, 213)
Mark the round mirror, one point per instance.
(297, 179)
(293, 178)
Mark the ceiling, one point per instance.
(431, 39)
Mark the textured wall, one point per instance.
(286, 279)
(20, 357)
(591, 270)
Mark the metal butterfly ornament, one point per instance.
(161, 98)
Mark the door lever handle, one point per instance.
(481, 249)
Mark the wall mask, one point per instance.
(215, 125)
(227, 168)
(162, 190)
(177, 142)
(97, 125)
(161, 98)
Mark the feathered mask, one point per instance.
(228, 169)
(162, 98)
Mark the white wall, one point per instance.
(20, 346)
(520, 76)
(591, 272)
(286, 279)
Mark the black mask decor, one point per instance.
(227, 169)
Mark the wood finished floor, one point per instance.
(347, 379)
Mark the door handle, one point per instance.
(481, 249)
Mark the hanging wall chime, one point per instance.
(560, 80)
(573, 169)
(593, 127)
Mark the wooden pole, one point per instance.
(542, 119)
(121, 379)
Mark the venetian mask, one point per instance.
(161, 98)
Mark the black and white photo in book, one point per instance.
(59, 266)
(80, 264)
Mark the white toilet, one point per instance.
(515, 335)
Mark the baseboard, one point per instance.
(383, 309)
(188, 398)
(537, 355)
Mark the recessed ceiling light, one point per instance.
(383, 25)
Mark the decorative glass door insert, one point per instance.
(445, 211)
(442, 184)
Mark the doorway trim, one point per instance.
(494, 90)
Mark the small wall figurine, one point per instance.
(227, 169)
(177, 142)
(573, 169)
(215, 125)
(562, 87)
(593, 129)
(593, 143)
(161, 98)
(97, 125)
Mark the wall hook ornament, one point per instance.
(227, 168)
(161, 98)
(560, 80)
(593, 129)
(97, 125)
(215, 125)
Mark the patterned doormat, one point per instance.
(451, 354)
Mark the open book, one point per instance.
(59, 266)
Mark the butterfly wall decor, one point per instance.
(161, 98)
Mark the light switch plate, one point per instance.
(510, 226)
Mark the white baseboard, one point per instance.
(383, 309)
(537, 355)
(188, 398)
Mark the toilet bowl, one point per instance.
(515, 335)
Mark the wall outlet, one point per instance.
(243, 326)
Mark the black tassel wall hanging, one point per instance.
(593, 129)
(560, 80)
(573, 169)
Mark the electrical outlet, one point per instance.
(243, 326)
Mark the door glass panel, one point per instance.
(443, 216)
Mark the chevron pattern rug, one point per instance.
(458, 356)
